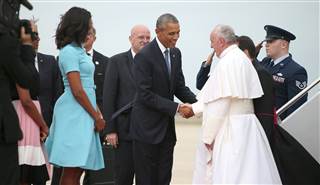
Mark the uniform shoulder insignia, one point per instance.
(301, 85)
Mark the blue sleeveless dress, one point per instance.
(72, 141)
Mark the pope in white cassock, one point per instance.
(233, 147)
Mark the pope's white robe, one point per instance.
(241, 152)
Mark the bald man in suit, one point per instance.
(120, 90)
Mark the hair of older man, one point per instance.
(166, 18)
(226, 32)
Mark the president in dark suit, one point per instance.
(159, 78)
(119, 90)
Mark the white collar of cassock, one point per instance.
(225, 51)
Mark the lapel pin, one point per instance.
(96, 62)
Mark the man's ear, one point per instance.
(157, 30)
(221, 41)
(284, 44)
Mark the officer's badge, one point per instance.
(301, 85)
(279, 74)
(96, 62)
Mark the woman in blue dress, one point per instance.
(74, 142)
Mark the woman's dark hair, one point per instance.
(245, 43)
(73, 27)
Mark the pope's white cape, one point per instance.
(241, 152)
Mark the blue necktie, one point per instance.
(166, 58)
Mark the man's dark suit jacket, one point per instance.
(154, 108)
(119, 90)
(100, 61)
(50, 84)
(202, 75)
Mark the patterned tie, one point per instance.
(166, 58)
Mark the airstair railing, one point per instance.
(297, 97)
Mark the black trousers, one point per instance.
(124, 166)
(9, 164)
(153, 162)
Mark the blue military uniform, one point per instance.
(289, 77)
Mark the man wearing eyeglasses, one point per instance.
(289, 77)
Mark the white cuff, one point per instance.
(210, 128)
(197, 108)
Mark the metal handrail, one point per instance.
(297, 97)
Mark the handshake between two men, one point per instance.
(185, 110)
